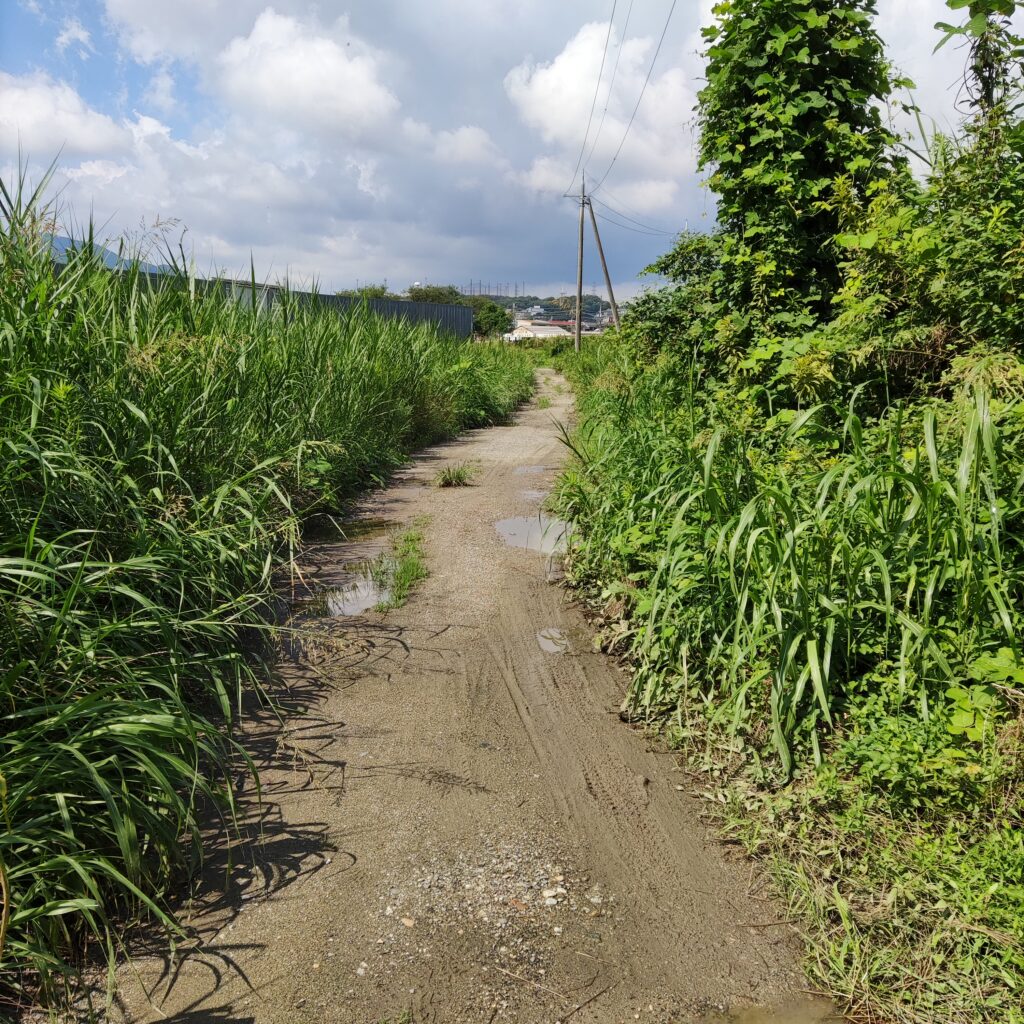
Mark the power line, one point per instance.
(611, 84)
(626, 227)
(618, 201)
(650, 71)
(638, 223)
(593, 102)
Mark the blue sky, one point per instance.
(386, 140)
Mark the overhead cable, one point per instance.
(638, 223)
(593, 102)
(611, 85)
(639, 100)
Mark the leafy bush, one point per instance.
(799, 488)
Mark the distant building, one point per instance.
(525, 331)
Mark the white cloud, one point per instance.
(93, 173)
(366, 178)
(646, 195)
(44, 115)
(160, 92)
(555, 100)
(182, 28)
(73, 31)
(546, 174)
(469, 144)
(304, 77)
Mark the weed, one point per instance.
(458, 475)
(396, 571)
(543, 402)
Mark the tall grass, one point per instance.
(160, 449)
(811, 599)
(766, 573)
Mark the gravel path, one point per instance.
(455, 826)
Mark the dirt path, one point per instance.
(456, 826)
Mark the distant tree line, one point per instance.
(491, 313)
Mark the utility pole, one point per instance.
(604, 265)
(579, 267)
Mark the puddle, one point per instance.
(324, 529)
(353, 598)
(553, 641)
(533, 495)
(538, 533)
(526, 470)
(815, 1011)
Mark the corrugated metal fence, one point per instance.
(457, 320)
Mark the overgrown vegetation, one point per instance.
(160, 450)
(399, 569)
(458, 474)
(800, 489)
(489, 318)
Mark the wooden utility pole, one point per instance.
(579, 268)
(604, 265)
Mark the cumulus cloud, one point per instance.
(469, 144)
(184, 28)
(555, 98)
(73, 31)
(546, 174)
(44, 116)
(428, 141)
(302, 75)
(366, 178)
(647, 195)
(97, 173)
(160, 92)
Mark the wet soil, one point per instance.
(454, 824)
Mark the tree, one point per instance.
(789, 107)
(368, 291)
(488, 317)
(442, 293)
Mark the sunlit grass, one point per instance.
(457, 475)
(160, 450)
(397, 570)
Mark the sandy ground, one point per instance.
(455, 825)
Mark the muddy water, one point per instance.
(538, 533)
(806, 1011)
(357, 595)
(327, 529)
(341, 586)
(354, 598)
(553, 641)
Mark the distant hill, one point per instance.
(60, 244)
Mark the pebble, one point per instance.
(408, 921)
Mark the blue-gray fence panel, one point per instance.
(457, 320)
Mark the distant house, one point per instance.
(527, 331)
